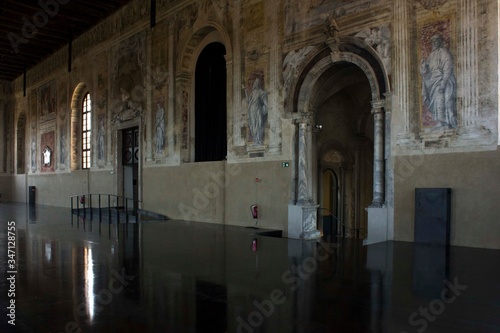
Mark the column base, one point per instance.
(377, 225)
(312, 234)
(302, 221)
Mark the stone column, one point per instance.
(378, 212)
(303, 167)
(378, 152)
(302, 217)
(389, 177)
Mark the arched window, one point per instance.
(86, 131)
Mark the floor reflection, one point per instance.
(175, 276)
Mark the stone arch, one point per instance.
(194, 44)
(186, 65)
(76, 103)
(321, 58)
(21, 143)
(307, 89)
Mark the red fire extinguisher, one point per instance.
(254, 245)
(255, 211)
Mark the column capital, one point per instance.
(302, 117)
(377, 106)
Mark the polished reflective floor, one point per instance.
(77, 275)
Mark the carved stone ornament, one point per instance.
(333, 41)
(432, 4)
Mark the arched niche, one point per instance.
(211, 32)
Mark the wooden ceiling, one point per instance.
(21, 46)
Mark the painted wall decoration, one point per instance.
(186, 19)
(437, 70)
(101, 138)
(158, 70)
(62, 124)
(128, 79)
(33, 120)
(257, 107)
(159, 125)
(185, 118)
(380, 39)
(432, 4)
(254, 16)
(33, 153)
(48, 101)
(101, 95)
(301, 15)
(33, 105)
(21, 143)
(292, 60)
(63, 147)
(47, 144)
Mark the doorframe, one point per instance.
(118, 137)
(303, 91)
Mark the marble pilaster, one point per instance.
(468, 67)
(403, 43)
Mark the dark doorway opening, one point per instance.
(130, 162)
(210, 104)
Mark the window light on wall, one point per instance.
(86, 130)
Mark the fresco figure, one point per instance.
(439, 84)
(257, 112)
(100, 139)
(62, 146)
(33, 153)
(160, 128)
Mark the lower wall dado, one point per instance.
(473, 179)
(220, 192)
(5, 188)
(214, 192)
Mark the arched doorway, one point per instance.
(212, 43)
(330, 200)
(339, 90)
(344, 113)
(210, 104)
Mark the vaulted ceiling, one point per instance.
(31, 30)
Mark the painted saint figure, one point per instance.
(100, 139)
(439, 84)
(257, 112)
(62, 146)
(33, 154)
(160, 128)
